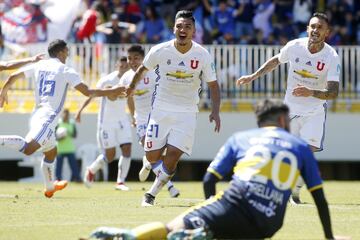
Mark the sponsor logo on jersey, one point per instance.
(180, 74)
(168, 62)
(305, 74)
(309, 63)
(182, 64)
(297, 60)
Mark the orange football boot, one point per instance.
(58, 185)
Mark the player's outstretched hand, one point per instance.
(245, 79)
(118, 91)
(215, 117)
(129, 91)
(38, 57)
(3, 99)
(302, 91)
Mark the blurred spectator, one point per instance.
(243, 21)
(65, 133)
(88, 23)
(133, 11)
(115, 31)
(283, 9)
(151, 29)
(224, 23)
(264, 9)
(302, 11)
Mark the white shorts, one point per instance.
(42, 130)
(174, 128)
(141, 131)
(115, 134)
(309, 128)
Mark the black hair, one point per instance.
(123, 59)
(137, 49)
(269, 110)
(321, 16)
(55, 47)
(187, 14)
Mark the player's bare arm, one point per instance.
(78, 114)
(267, 67)
(215, 103)
(111, 92)
(137, 77)
(330, 92)
(131, 106)
(9, 82)
(10, 65)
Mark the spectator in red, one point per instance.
(89, 21)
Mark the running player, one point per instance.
(113, 129)
(180, 65)
(52, 79)
(313, 78)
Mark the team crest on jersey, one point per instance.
(168, 62)
(194, 64)
(149, 144)
(146, 80)
(320, 66)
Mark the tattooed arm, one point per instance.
(330, 92)
(268, 66)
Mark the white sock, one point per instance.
(13, 141)
(169, 184)
(47, 169)
(123, 168)
(97, 164)
(298, 186)
(162, 177)
(146, 163)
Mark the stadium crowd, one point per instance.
(267, 22)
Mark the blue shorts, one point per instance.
(225, 220)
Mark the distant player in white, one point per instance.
(142, 106)
(313, 78)
(113, 129)
(52, 79)
(180, 65)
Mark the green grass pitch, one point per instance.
(74, 212)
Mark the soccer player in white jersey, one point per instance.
(113, 129)
(52, 79)
(313, 78)
(180, 65)
(142, 106)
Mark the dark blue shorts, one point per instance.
(224, 219)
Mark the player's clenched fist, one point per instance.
(245, 79)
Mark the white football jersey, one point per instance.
(178, 76)
(310, 70)
(52, 79)
(142, 95)
(111, 111)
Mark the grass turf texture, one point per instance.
(74, 212)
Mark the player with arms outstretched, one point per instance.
(180, 65)
(141, 101)
(313, 78)
(52, 79)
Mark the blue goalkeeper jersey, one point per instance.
(266, 163)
